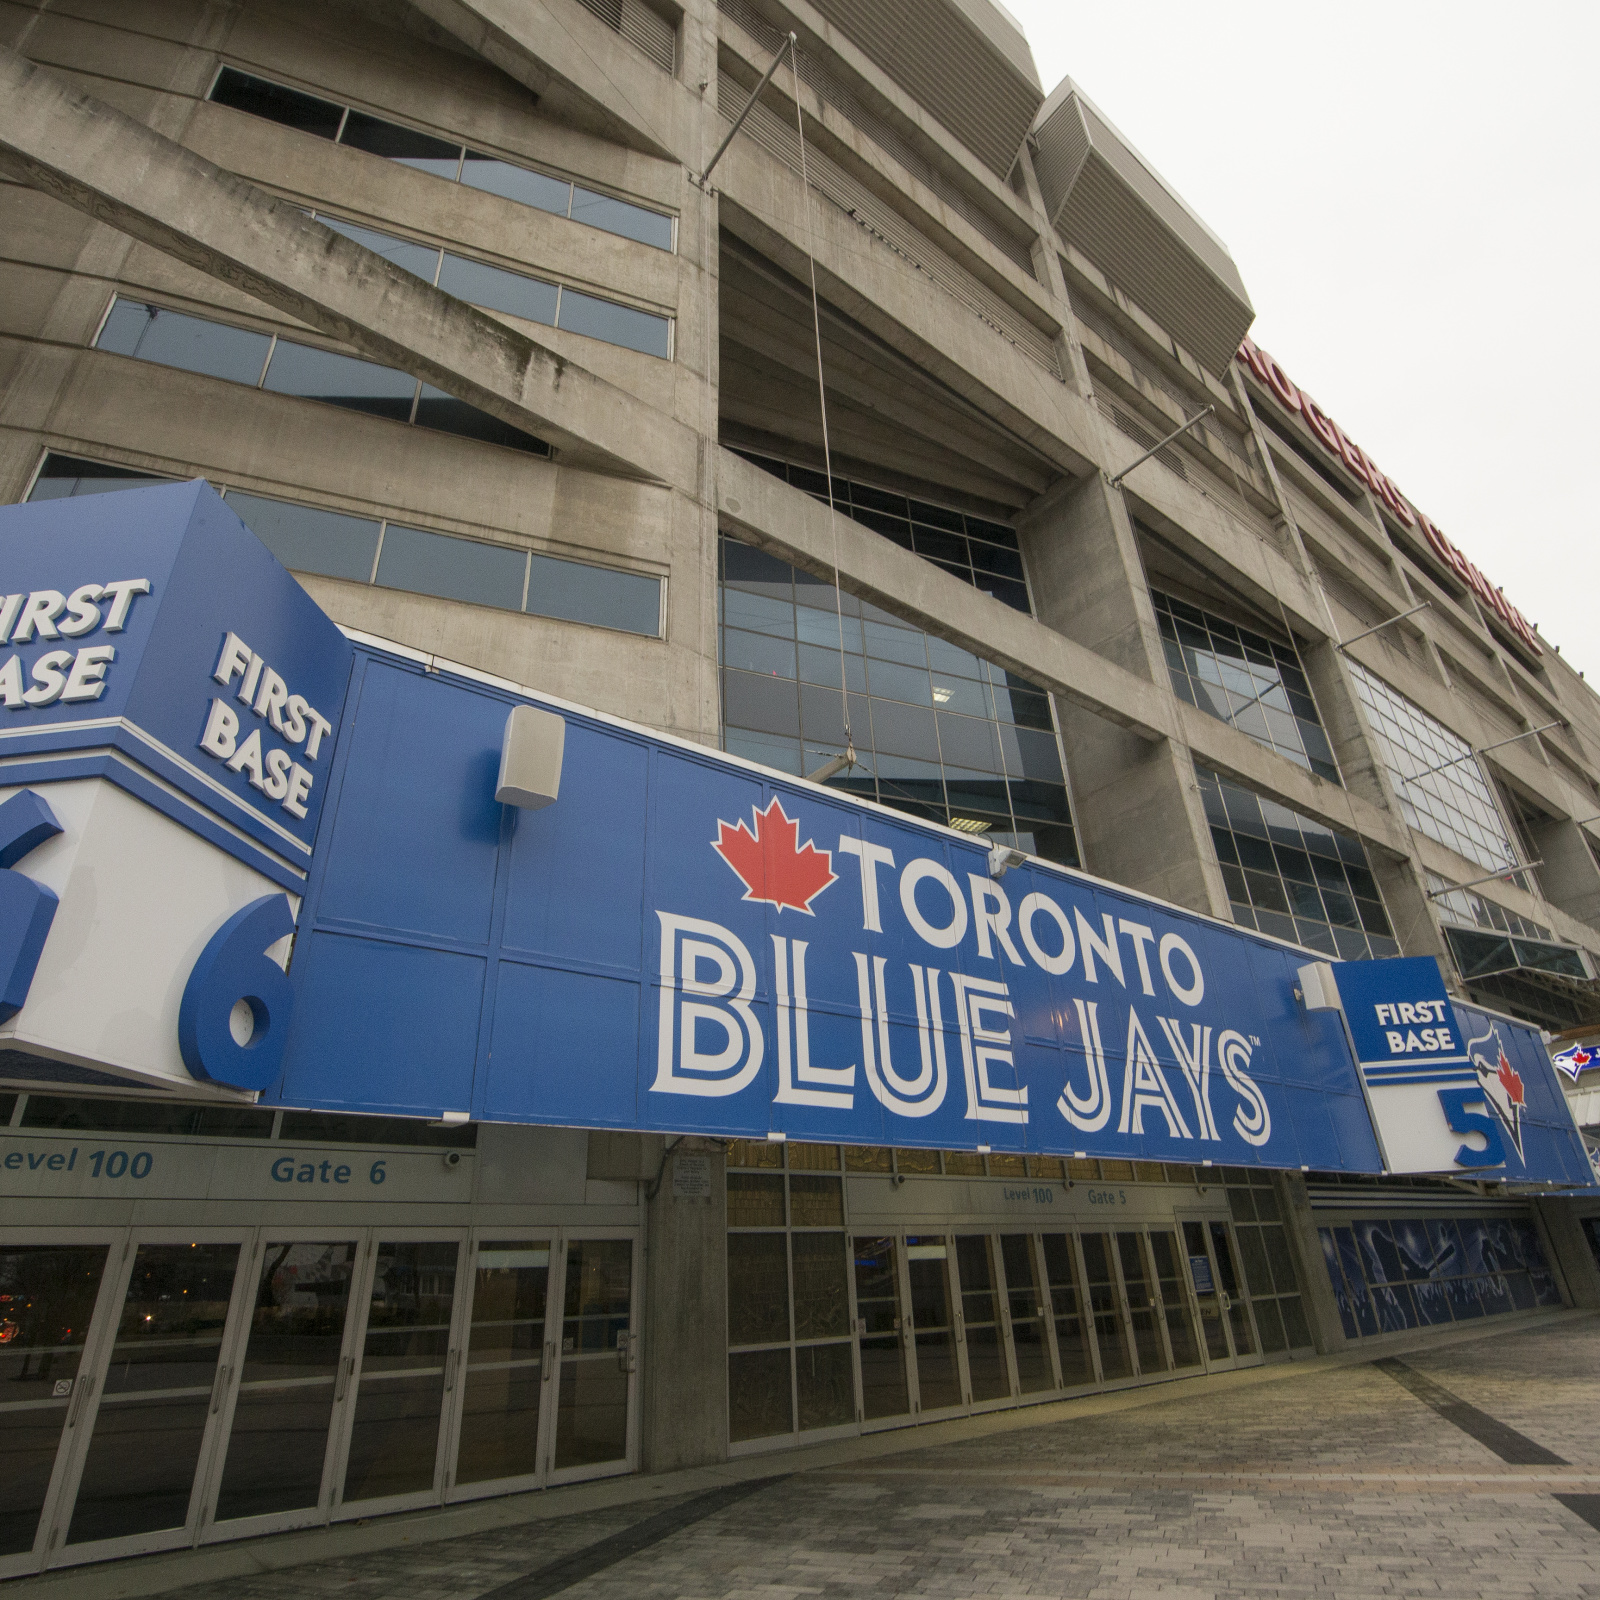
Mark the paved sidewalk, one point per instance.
(1337, 1480)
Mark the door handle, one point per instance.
(451, 1363)
(85, 1387)
(346, 1368)
(220, 1388)
(549, 1358)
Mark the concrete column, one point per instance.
(684, 1351)
(1574, 1262)
(1316, 1292)
(1137, 805)
(1400, 881)
(1569, 877)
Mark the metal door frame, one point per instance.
(629, 1460)
(107, 1301)
(1002, 1317)
(1108, 1231)
(348, 1385)
(864, 1423)
(963, 1407)
(1234, 1361)
(359, 1237)
(519, 1482)
(70, 1463)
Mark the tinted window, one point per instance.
(291, 107)
(405, 145)
(144, 1116)
(617, 216)
(579, 593)
(330, 1128)
(63, 476)
(457, 569)
(499, 290)
(309, 540)
(516, 183)
(420, 259)
(174, 340)
(436, 409)
(601, 319)
(341, 381)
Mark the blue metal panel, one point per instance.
(416, 841)
(683, 943)
(382, 1027)
(567, 1042)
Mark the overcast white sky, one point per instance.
(1409, 190)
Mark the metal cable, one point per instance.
(822, 400)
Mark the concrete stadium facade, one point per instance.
(433, 291)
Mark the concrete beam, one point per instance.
(555, 48)
(765, 511)
(82, 151)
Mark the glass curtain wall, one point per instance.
(1292, 877)
(1269, 1273)
(1244, 678)
(789, 1363)
(940, 733)
(1453, 806)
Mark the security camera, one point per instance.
(452, 1158)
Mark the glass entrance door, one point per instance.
(274, 1454)
(988, 1372)
(47, 1300)
(1025, 1300)
(1227, 1333)
(880, 1338)
(1112, 1340)
(933, 1324)
(396, 1380)
(1074, 1343)
(1174, 1297)
(1142, 1307)
(509, 1365)
(596, 1363)
(150, 1413)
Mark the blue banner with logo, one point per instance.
(682, 942)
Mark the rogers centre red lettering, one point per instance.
(1333, 439)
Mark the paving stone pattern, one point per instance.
(1334, 1482)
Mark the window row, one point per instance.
(1391, 1275)
(939, 733)
(518, 294)
(1243, 678)
(1444, 792)
(982, 553)
(444, 158)
(390, 555)
(1292, 877)
(769, 1156)
(93, 1114)
(282, 366)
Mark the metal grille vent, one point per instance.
(827, 87)
(640, 26)
(776, 135)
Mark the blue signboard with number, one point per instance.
(684, 942)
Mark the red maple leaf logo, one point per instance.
(1510, 1080)
(1581, 1058)
(771, 862)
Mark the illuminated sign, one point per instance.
(1338, 444)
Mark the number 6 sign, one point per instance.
(235, 967)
